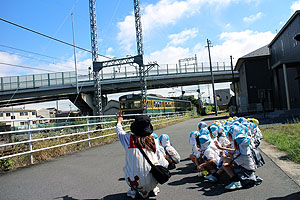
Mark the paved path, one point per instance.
(97, 174)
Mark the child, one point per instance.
(160, 152)
(201, 125)
(172, 156)
(210, 156)
(241, 169)
(195, 155)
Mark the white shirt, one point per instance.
(137, 169)
(211, 154)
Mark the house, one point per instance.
(223, 97)
(254, 89)
(285, 65)
(269, 76)
(18, 117)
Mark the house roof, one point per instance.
(261, 52)
(284, 27)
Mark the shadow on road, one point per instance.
(294, 196)
(123, 196)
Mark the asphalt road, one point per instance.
(97, 173)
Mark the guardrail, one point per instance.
(82, 126)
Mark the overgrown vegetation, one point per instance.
(40, 156)
(286, 138)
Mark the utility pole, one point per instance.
(140, 51)
(233, 82)
(199, 99)
(212, 76)
(94, 37)
(77, 90)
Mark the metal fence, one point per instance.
(69, 78)
(72, 126)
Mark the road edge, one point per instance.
(280, 159)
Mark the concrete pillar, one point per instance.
(286, 87)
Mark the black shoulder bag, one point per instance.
(160, 173)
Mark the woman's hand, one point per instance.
(119, 116)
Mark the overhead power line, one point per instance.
(47, 36)
(1, 45)
(21, 66)
(45, 61)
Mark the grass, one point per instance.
(286, 138)
(40, 156)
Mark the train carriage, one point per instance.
(132, 104)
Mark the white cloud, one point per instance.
(253, 18)
(295, 6)
(183, 36)
(236, 44)
(9, 59)
(239, 44)
(228, 26)
(169, 55)
(165, 12)
(109, 50)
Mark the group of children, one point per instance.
(229, 146)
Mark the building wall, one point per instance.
(243, 91)
(18, 115)
(293, 88)
(223, 96)
(285, 47)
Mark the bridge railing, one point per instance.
(69, 78)
(64, 131)
(37, 80)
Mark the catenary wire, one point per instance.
(52, 38)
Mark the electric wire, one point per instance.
(26, 67)
(61, 25)
(50, 37)
(32, 52)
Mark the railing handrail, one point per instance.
(69, 78)
(31, 141)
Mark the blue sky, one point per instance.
(172, 29)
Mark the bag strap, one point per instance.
(142, 151)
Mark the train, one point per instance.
(132, 104)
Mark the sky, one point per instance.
(172, 30)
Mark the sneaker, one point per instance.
(234, 185)
(131, 193)
(211, 178)
(154, 192)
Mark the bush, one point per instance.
(6, 164)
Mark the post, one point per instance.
(199, 99)
(30, 143)
(233, 82)
(88, 130)
(167, 69)
(286, 87)
(74, 54)
(212, 77)
(202, 67)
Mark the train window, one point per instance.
(123, 105)
(137, 104)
